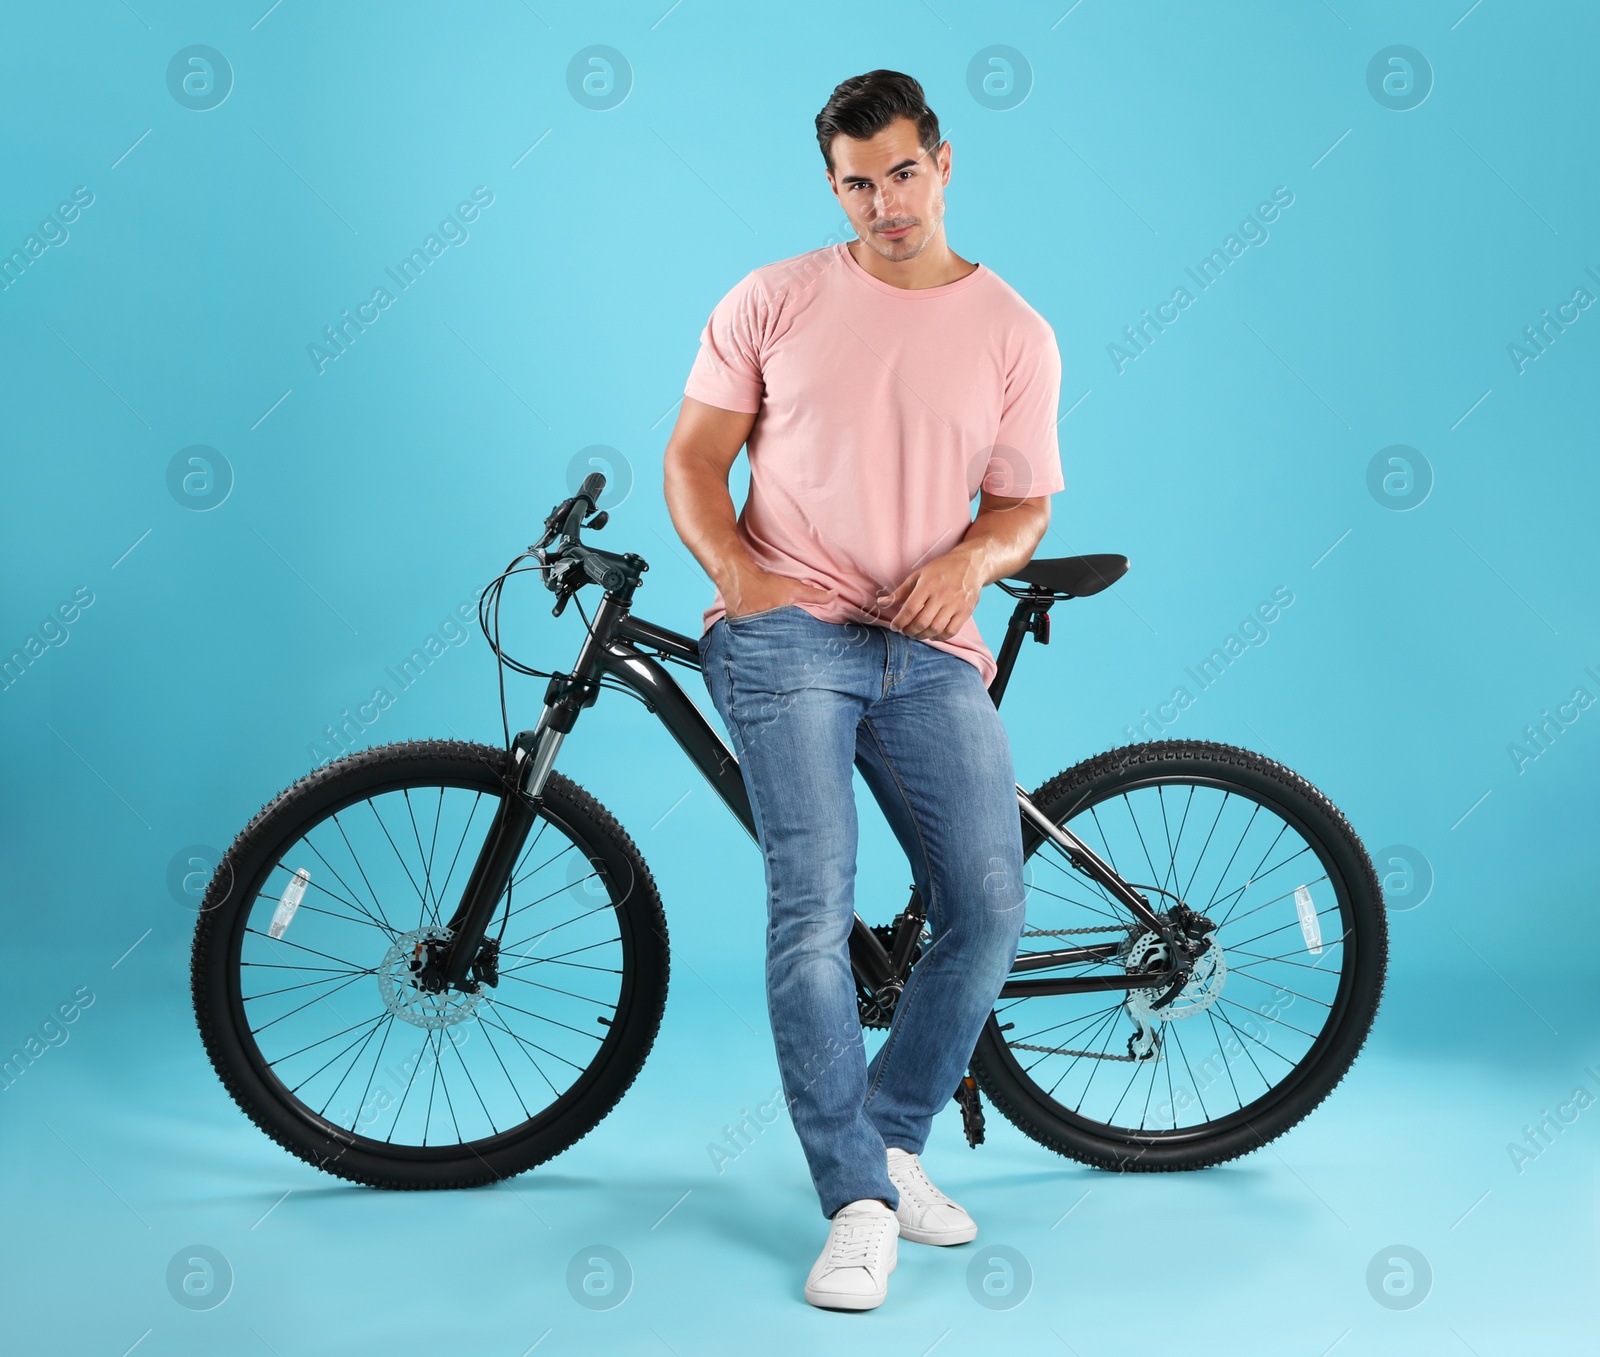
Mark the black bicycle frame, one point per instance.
(626, 648)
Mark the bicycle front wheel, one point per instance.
(1278, 1006)
(305, 959)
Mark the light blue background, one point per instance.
(368, 500)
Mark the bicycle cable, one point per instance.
(489, 601)
(489, 608)
(496, 587)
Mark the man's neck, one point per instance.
(937, 265)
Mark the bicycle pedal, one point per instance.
(971, 1105)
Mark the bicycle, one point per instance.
(315, 959)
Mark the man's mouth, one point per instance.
(896, 233)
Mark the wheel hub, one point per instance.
(401, 983)
(1210, 971)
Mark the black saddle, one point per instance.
(1073, 576)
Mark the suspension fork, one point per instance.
(533, 755)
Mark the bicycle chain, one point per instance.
(1064, 1050)
(1062, 932)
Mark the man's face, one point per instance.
(891, 188)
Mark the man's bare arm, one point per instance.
(699, 455)
(935, 600)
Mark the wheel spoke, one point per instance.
(1285, 896)
(366, 914)
(1244, 834)
(471, 815)
(354, 1061)
(422, 856)
(1277, 1022)
(592, 1036)
(523, 1047)
(299, 946)
(315, 999)
(376, 902)
(372, 805)
(372, 1074)
(540, 960)
(1222, 805)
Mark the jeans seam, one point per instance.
(765, 612)
(889, 662)
(932, 905)
(901, 1007)
(733, 715)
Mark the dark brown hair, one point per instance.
(864, 105)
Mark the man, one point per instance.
(880, 384)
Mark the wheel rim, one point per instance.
(1231, 1046)
(328, 1012)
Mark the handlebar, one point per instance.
(569, 564)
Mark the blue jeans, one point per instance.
(804, 701)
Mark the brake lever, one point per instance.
(563, 590)
(553, 522)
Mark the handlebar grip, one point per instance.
(601, 570)
(592, 485)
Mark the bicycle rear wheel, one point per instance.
(306, 997)
(1276, 1010)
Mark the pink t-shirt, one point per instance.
(880, 412)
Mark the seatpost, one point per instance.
(1022, 622)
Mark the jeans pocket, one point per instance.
(751, 617)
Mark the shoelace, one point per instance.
(921, 1190)
(854, 1241)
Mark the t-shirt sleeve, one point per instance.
(1026, 458)
(727, 369)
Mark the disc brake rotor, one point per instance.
(1210, 971)
(405, 998)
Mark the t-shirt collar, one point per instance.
(848, 262)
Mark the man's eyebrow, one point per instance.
(908, 163)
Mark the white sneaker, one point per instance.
(926, 1215)
(852, 1272)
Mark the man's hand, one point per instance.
(752, 590)
(936, 599)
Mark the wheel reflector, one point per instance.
(289, 903)
(1310, 925)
